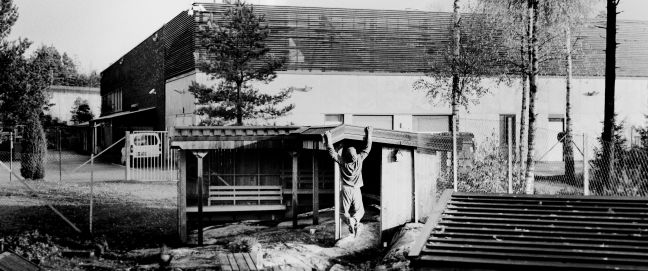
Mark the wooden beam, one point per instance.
(315, 190)
(295, 187)
(433, 220)
(336, 196)
(182, 196)
(199, 159)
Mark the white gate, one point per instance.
(149, 156)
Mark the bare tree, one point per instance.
(610, 77)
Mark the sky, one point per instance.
(95, 33)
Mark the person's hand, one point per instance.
(369, 129)
(327, 136)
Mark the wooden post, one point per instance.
(315, 189)
(127, 153)
(454, 153)
(200, 155)
(92, 155)
(510, 154)
(11, 147)
(586, 184)
(295, 187)
(59, 156)
(336, 199)
(182, 196)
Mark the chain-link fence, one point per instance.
(562, 165)
(91, 195)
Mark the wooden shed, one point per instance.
(270, 172)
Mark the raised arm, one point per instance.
(368, 140)
(329, 147)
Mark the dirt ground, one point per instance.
(132, 220)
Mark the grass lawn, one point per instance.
(128, 215)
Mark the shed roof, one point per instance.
(535, 232)
(307, 137)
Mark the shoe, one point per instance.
(356, 228)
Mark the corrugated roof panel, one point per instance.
(508, 232)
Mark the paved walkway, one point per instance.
(65, 169)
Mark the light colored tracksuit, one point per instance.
(351, 175)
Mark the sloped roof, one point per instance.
(396, 41)
(534, 232)
(307, 137)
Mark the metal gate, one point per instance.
(149, 156)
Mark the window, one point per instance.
(377, 121)
(333, 119)
(504, 128)
(113, 101)
(431, 123)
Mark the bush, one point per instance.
(486, 171)
(32, 161)
(629, 176)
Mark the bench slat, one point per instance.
(235, 193)
(243, 198)
(237, 208)
(223, 187)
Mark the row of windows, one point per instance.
(420, 123)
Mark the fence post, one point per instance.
(454, 152)
(127, 154)
(92, 156)
(59, 153)
(510, 154)
(11, 142)
(586, 189)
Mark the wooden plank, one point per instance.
(232, 261)
(550, 207)
(558, 244)
(542, 211)
(182, 196)
(244, 192)
(546, 221)
(315, 189)
(433, 219)
(550, 197)
(295, 187)
(575, 217)
(531, 255)
(546, 232)
(542, 227)
(495, 246)
(495, 264)
(237, 187)
(241, 262)
(246, 198)
(522, 237)
(224, 262)
(250, 261)
(237, 208)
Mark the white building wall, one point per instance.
(392, 94)
(179, 102)
(63, 99)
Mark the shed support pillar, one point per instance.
(200, 155)
(336, 199)
(315, 190)
(295, 187)
(182, 196)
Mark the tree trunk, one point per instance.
(239, 106)
(524, 117)
(533, 89)
(610, 76)
(568, 149)
(456, 36)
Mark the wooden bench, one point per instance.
(243, 198)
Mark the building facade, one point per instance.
(358, 67)
(63, 97)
